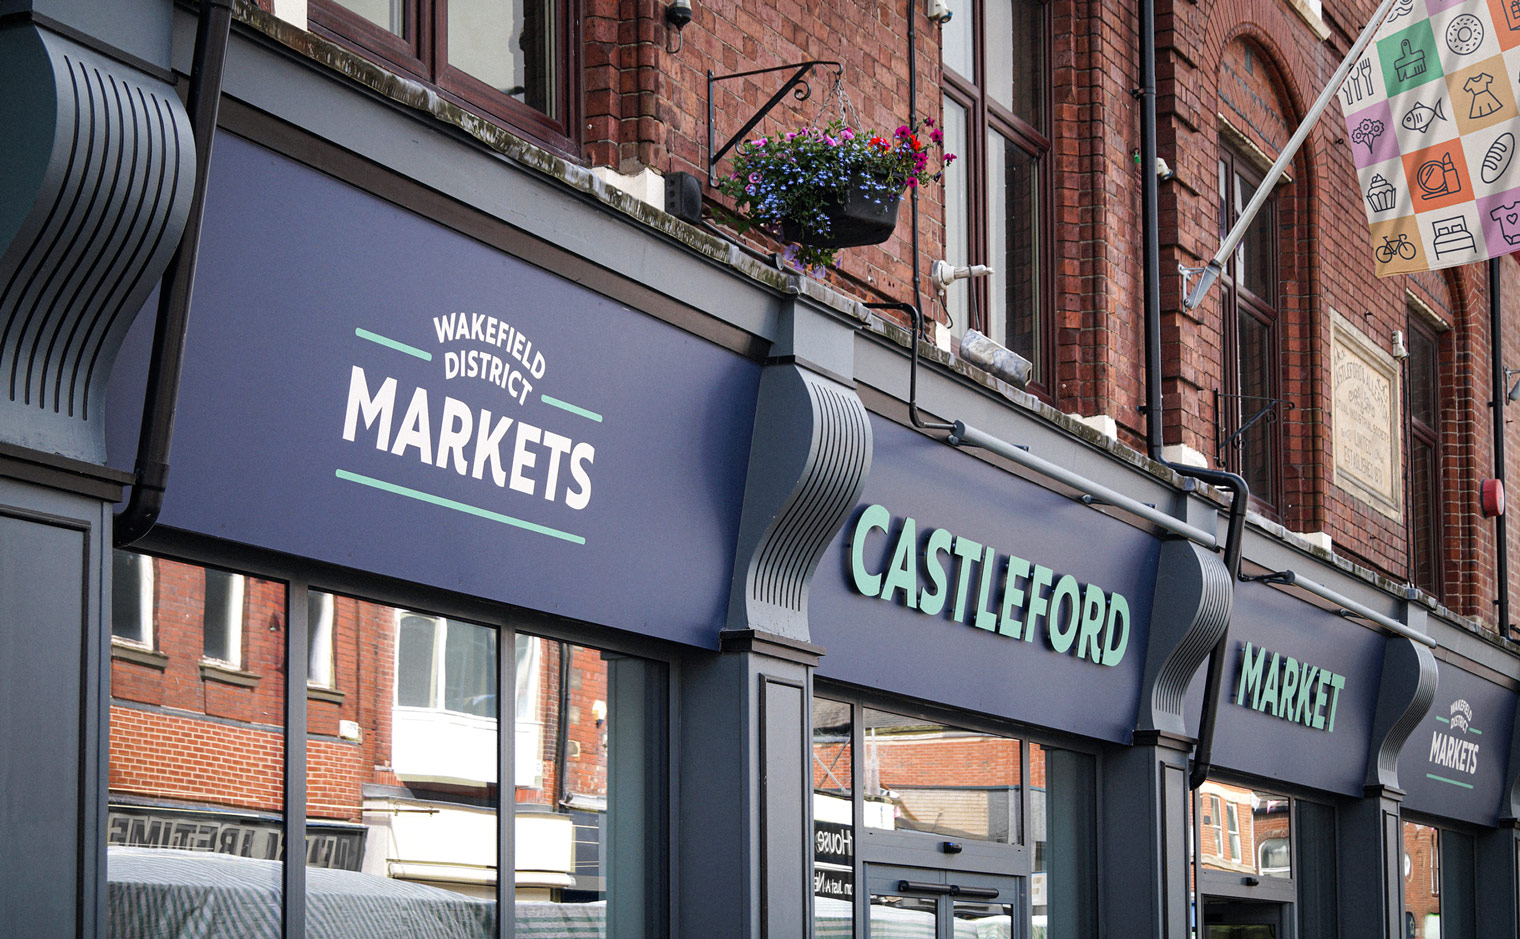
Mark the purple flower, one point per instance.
(903, 131)
(949, 158)
(937, 136)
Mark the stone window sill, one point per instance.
(138, 655)
(333, 695)
(227, 675)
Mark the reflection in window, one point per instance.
(589, 826)
(833, 818)
(196, 760)
(223, 617)
(319, 639)
(132, 597)
(1422, 881)
(1243, 830)
(925, 776)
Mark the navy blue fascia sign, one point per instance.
(991, 590)
(367, 387)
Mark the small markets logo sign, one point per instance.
(1454, 751)
(489, 443)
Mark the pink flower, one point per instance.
(903, 131)
(912, 183)
(928, 122)
(937, 136)
(949, 158)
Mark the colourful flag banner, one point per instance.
(1433, 123)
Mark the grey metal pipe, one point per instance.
(1351, 606)
(962, 435)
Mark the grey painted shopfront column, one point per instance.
(1370, 846)
(1498, 856)
(1145, 786)
(93, 197)
(745, 818)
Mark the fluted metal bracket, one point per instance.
(1405, 693)
(1190, 612)
(99, 169)
(808, 462)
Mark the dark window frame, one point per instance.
(1421, 435)
(1239, 303)
(986, 118)
(422, 53)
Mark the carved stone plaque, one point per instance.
(1367, 414)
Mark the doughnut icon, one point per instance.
(1464, 34)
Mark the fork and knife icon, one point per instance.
(1359, 85)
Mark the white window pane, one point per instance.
(132, 597)
(997, 237)
(956, 36)
(513, 47)
(957, 220)
(387, 14)
(1000, 51)
(414, 661)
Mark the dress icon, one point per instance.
(1484, 102)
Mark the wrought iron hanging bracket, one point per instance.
(1234, 440)
(796, 85)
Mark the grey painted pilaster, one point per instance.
(745, 815)
(54, 645)
(1371, 895)
(1145, 884)
(1498, 881)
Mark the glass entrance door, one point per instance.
(927, 903)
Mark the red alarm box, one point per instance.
(1491, 492)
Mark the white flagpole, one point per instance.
(1211, 272)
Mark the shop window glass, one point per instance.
(222, 617)
(1422, 880)
(132, 597)
(196, 760)
(1245, 830)
(590, 828)
(833, 818)
(922, 775)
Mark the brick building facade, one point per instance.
(781, 619)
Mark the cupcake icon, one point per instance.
(1381, 195)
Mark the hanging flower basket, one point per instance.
(825, 188)
(864, 215)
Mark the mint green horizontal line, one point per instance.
(566, 406)
(1444, 720)
(428, 497)
(1445, 780)
(1474, 730)
(393, 344)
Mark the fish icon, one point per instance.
(1421, 116)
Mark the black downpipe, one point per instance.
(1241, 492)
(913, 120)
(918, 330)
(151, 473)
(1501, 533)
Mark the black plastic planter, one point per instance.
(862, 217)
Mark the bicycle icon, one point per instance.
(1400, 245)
